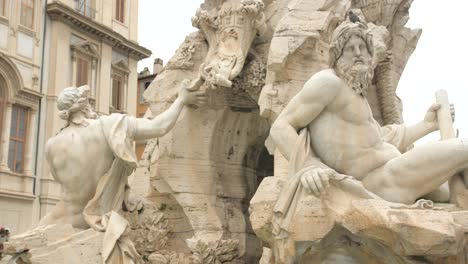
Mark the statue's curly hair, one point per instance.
(342, 34)
(70, 99)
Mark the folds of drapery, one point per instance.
(303, 160)
(112, 192)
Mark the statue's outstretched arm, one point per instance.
(163, 123)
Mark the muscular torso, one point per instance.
(347, 138)
(79, 156)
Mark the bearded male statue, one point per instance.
(335, 136)
(92, 156)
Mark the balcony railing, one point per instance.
(84, 7)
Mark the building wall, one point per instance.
(70, 33)
(20, 71)
(141, 106)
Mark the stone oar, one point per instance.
(444, 118)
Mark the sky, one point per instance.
(437, 63)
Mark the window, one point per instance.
(2, 7)
(82, 71)
(85, 7)
(19, 120)
(84, 55)
(119, 76)
(117, 92)
(142, 90)
(27, 13)
(120, 10)
(2, 108)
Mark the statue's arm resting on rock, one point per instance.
(318, 93)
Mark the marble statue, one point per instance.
(337, 181)
(336, 140)
(346, 139)
(89, 192)
(91, 157)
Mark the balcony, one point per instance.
(84, 7)
(59, 11)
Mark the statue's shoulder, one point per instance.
(112, 118)
(327, 76)
(57, 143)
(323, 81)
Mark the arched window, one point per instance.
(18, 132)
(2, 106)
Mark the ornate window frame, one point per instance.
(87, 51)
(17, 95)
(119, 71)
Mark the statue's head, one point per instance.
(72, 100)
(351, 55)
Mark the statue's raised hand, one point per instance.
(316, 180)
(431, 116)
(190, 96)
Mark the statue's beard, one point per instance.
(358, 76)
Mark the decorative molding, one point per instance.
(29, 98)
(61, 12)
(121, 65)
(49, 200)
(17, 195)
(87, 48)
(17, 93)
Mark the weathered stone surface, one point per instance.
(209, 166)
(435, 234)
(57, 244)
(299, 48)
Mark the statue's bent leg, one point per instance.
(418, 171)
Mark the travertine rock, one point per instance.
(209, 166)
(299, 48)
(56, 244)
(353, 186)
(384, 232)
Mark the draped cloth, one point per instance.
(112, 192)
(303, 160)
(345, 187)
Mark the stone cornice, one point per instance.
(59, 11)
(16, 195)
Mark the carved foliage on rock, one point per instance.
(183, 56)
(149, 230)
(222, 251)
(252, 78)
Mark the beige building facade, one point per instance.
(21, 45)
(91, 42)
(145, 78)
